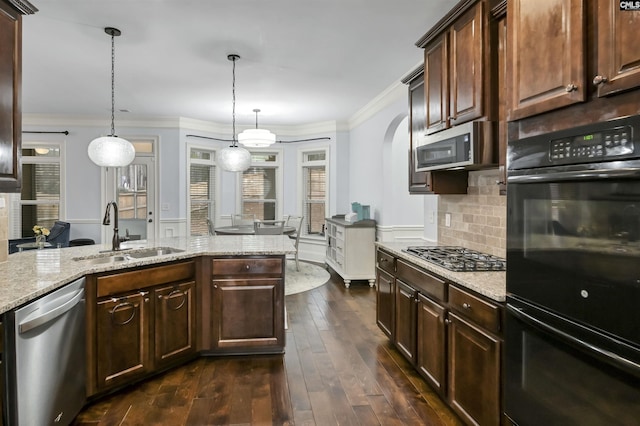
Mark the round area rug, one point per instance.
(309, 277)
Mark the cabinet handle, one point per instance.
(599, 79)
(466, 306)
(173, 293)
(447, 321)
(571, 88)
(119, 306)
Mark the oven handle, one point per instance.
(610, 356)
(575, 175)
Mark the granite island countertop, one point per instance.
(487, 283)
(27, 275)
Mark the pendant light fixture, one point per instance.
(256, 138)
(111, 151)
(234, 158)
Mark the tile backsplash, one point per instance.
(478, 220)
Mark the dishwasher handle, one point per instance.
(32, 323)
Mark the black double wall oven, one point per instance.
(572, 339)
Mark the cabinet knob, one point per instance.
(571, 88)
(247, 267)
(215, 286)
(599, 79)
(466, 306)
(447, 321)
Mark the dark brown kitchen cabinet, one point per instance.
(546, 55)
(246, 305)
(138, 322)
(455, 69)
(499, 14)
(431, 358)
(474, 372)
(122, 339)
(385, 292)
(11, 12)
(175, 322)
(451, 335)
(434, 182)
(405, 319)
(618, 55)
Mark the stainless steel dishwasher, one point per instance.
(46, 358)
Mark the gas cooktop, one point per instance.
(458, 259)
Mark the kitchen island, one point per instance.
(30, 274)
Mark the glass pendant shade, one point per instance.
(111, 151)
(256, 138)
(234, 159)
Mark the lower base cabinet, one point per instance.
(139, 322)
(474, 373)
(245, 306)
(450, 335)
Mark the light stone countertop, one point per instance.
(490, 284)
(30, 274)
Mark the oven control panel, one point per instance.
(616, 142)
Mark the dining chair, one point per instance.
(243, 219)
(210, 227)
(271, 227)
(296, 222)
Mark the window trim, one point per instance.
(302, 164)
(217, 187)
(278, 165)
(16, 198)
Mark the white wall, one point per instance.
(378, 173)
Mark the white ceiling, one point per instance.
(302, 61)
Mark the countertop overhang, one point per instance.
(487, 283)
(30, 274)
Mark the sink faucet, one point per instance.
(107, 220)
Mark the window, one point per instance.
(202, 190)
(40, 197)
(260, 186)
(314, 190)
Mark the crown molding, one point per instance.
(23, 6)
(391, 94)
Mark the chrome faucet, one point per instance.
(107, 220)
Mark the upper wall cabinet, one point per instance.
(11, 12)
(618, 60)
(546, 55)
(457, 67)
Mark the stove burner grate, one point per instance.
(458, 259)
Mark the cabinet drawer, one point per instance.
(481, 312)
(244, 266)
(421, 280)
(386, 262)
(134, 280)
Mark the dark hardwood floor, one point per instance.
(339, 368)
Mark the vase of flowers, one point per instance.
(41, 235)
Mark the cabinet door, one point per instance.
(431, 343)
(248, 315)
(618, 49)
(405, 331)
(175, 322)
(122, 339)
(546, 55)
(466, 66)
(474, 373)
(10, 100)
(385, 302)
(436, 84)
(417, 124)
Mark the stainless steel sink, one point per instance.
(154, 251)
(106, 260)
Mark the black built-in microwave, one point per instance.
(468, 145)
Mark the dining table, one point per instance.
(247, 230)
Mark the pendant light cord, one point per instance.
(233, 119)
(113, 78)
